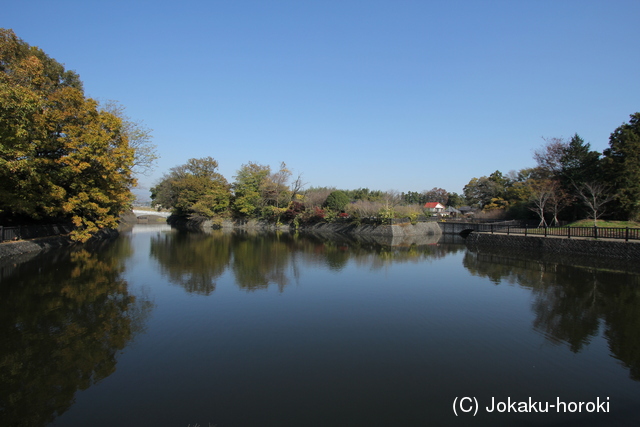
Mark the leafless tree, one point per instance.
(392, 198)
(296, 186)
(549, 156)
(595, 195)
(316, 196)
(436, 194)
(541, 192)
(139, 138)
(558, 200)
(364, 208)
(274, 189)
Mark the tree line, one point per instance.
(570, 181)
(63, 156)
(258, 192)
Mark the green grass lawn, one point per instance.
(604, 223)
(584, 229)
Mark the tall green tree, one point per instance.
(61, 157)
(482, 191)
(195, 188)
(622, 165)
(455, 200)
(260, 193)
(247, 188)
(578, 163)
(365, 194)
(413, 198)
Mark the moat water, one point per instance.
(165, 328)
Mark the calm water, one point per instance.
(161, 328)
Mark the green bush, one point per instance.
(386, 214)
(336, 201)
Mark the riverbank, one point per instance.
(393, 230)
(20, 248)
(204, 224)
(382, 230)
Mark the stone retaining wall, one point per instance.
(588, 247)
(22, 247)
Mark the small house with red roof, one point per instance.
(434, 207)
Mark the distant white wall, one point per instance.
(162, 214)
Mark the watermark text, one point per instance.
(468, 405)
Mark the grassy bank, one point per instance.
(604, 223)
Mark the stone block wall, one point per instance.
(588, 247)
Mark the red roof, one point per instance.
(432, 205)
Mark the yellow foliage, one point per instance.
(61, 157)
(496, 203)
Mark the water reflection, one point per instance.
(195, 261)
(259, 260)
(60, 329)
(192, 260)
(572, 303)
(292, 327)
(378, 251)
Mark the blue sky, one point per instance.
(402, 95)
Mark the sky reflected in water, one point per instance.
(167, 328)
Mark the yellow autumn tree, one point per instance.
(61, 156)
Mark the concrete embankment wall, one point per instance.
(588, 247)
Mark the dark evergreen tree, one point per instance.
(578, 165)
(622, 166)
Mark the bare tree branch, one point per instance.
(595, 195)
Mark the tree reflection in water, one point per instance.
(572, 302)
(61, 330)
(259, 260)
(192, 260)
(196, 260)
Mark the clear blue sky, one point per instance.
(404, 95)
